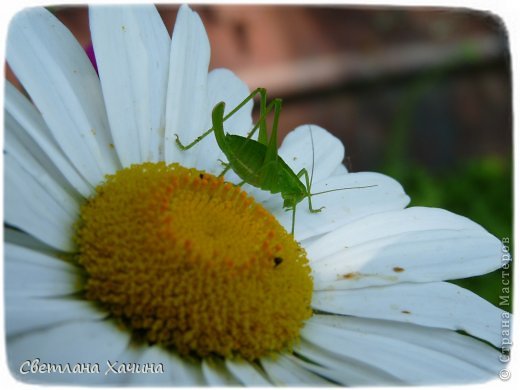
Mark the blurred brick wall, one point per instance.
(356, 72)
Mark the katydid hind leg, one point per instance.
(261, 123)
(272, 144)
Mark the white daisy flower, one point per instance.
(168, 270)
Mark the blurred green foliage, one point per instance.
(480, 190)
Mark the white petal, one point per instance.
(32, 209)
(58, 75)
(246, 373)
(32, 274)
(185, 372)
(186, 101)
(341, 207)
(415, 245)
(25, 314)
(32, 278)
(24, 240)
(415, 363)
(310, 145)
(75, 342)
(132, 54)
(42, 171)
(223, 86)
(341, 369)
(16, 253)
(441, 305)
(33, 131)
(284, 372)
(217, 374)
(387, 224)
(445, 341)
(340, 170)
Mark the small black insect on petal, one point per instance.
(201, 175)
(277, 261)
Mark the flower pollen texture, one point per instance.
(190, 262)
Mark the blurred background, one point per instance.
(421, 94)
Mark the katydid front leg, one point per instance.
(304, 173)
(259, 91)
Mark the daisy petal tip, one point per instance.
(185, 9)
(187, 15)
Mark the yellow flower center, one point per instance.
(188, 261)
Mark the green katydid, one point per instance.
(257, 162)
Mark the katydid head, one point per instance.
(299, 191)
(291, 200)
